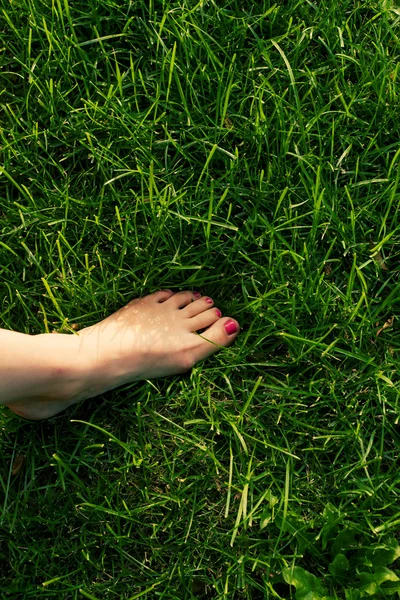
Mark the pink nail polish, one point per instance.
(209, 300)
(197, 294)
(230, 327)
(219, 313)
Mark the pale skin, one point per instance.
(161, 334)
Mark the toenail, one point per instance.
(209, 300)
(197, 294)
(219, 313)
(230, 327)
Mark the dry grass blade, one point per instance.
(389, 323)
(378, 257)
(18, 463)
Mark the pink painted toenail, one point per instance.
(230, 327)
(219, 313)
(197, 294)
(209, 300)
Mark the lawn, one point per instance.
(249, 150)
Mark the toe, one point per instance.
(222, 332)
(197, 307)
(204, 319)
(181, 299)
(161, 295)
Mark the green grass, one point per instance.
(251, 151)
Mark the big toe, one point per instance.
(160, 296)
(221, 334)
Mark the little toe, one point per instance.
(197, 307)
(204, 319)
(181, 299)
(222, 332)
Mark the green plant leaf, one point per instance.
(339, 565)
(308, 587)
(344, 541)
(380, 556)
(265, 518)
(352, 594)
(297, 527)
(371, 582)
(390, 587)
(332, 519)
(272, 500)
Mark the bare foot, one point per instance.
(159, 335)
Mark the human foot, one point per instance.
(150, 337)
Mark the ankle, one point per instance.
(57, 371)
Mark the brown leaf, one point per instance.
(218, 485)
(386, 325)
(228, 123)
(75, 326)
(18, 463)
